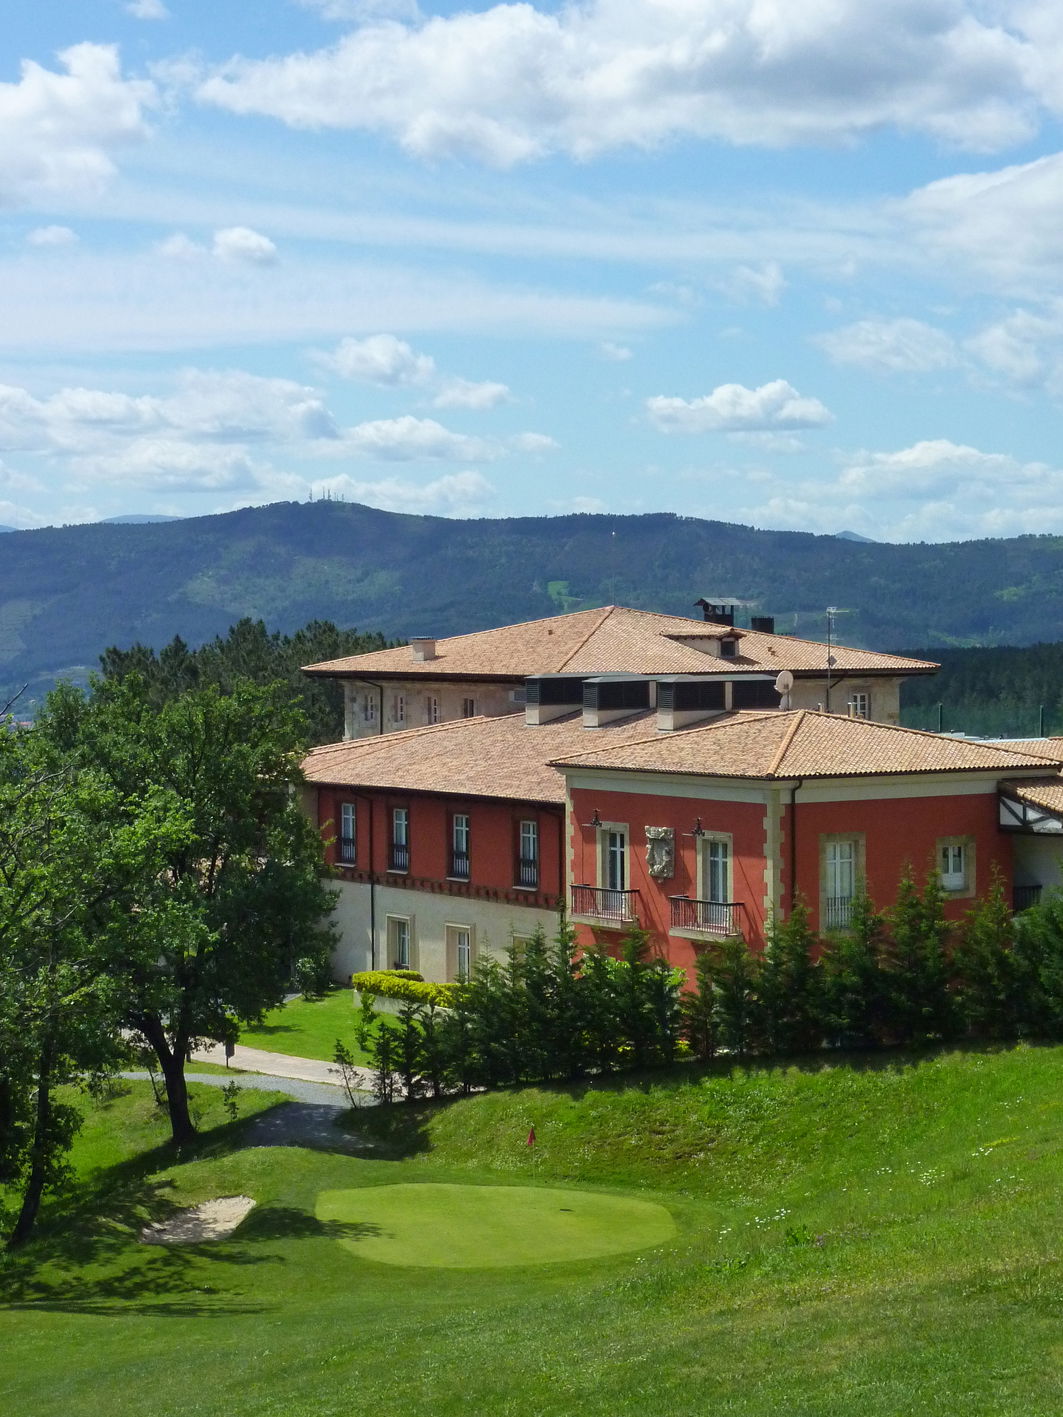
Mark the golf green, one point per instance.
(489, 1227)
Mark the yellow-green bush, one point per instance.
(402, 984)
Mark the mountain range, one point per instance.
(66, 593)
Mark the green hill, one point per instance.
(67, 593)
(878, 1238)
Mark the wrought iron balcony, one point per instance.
(345, 850)
(528, 872)
(398, 856)
(837, 912)
(1022, 897)
(609, 906)
(459, 865)
(715, 917)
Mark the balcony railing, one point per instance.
(613, 907)
(459, 865)
(837, 912)
(1022, 897)
(716, 917)
(528, 872)
(345, 850)
(398, 856)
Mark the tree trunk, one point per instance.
(172, 1063)
(39, 1152)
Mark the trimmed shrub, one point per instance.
(402, 984)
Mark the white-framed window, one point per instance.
(841, 874)
(460, 839)
(431, 709)
(369, 708)
(716, 870)
(860, 705)
(528, 855)
(400, 942)
(459, 951)
(468, 708)
(398, 709)
(613, 858)
(956, 865)
(399, 847)
(347, 846)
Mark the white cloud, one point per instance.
(732, 408)
(615, 353)
(147, 10)
(382, 359)
(240, 243)
(537, 443)
(890, 346)
(358, 11)
(407, 438)
(591, 505)
(465, 393)
(179, 247)
(761, 285)
(937, 467)
(51, 236)
(512, 82)
(459, 494)
(58, 131)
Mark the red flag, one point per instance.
(531, 1137)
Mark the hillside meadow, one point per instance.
(874, 1235)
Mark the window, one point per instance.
(860, 706)
(468, 708)
(459, 951)
(398, 709)
(399, 947)
(369, 708)
(347, 841)
(841, 866)
(717, 871)
(459, 846)
(399, 850)
(728, 648)
(614, 859)
(956, 865)
(431, 709)
(528, 855)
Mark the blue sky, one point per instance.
(799, 267)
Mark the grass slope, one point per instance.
(308, 1028)
(877, 1239)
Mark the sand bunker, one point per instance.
(210, 1220)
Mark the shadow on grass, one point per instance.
(85, 1256)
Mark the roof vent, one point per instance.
(762, 624)
(423, 649)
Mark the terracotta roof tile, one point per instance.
(801, 744)
(1051, 748)
(1039, 792)
(612, 640)
(478, 757)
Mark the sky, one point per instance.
(798, 266)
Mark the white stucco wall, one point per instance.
(489, 700)
(492, 923)
(885, 696)
(1038, 860)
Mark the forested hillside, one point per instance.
(68, 593)
(1010, 691)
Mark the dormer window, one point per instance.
(728, 648)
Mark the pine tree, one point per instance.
(739, 1014)
(921, 1007)
(790, 986)
(985, 968)
(856, 989)
(698, 1009)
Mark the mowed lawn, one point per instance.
(879, 1239)
(309, 1028)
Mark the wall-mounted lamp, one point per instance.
(699, 830)
(595, 821)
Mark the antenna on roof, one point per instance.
(832, 610)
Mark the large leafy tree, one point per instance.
(70, 861)
(238, 902)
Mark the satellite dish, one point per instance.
(784, 682)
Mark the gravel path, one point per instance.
(310, 1120)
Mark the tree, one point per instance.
(790, 985)
(66, 889)
(238, 899)
(739, 1012)
(856, 997)
(987, 992)
(917, 963)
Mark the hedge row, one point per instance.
(402, 984)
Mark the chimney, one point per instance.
(762, 624)
(717, 614)
(423, 649)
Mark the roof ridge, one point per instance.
(607, 611)
(801, 640)
(929, 733)
(787, 739)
